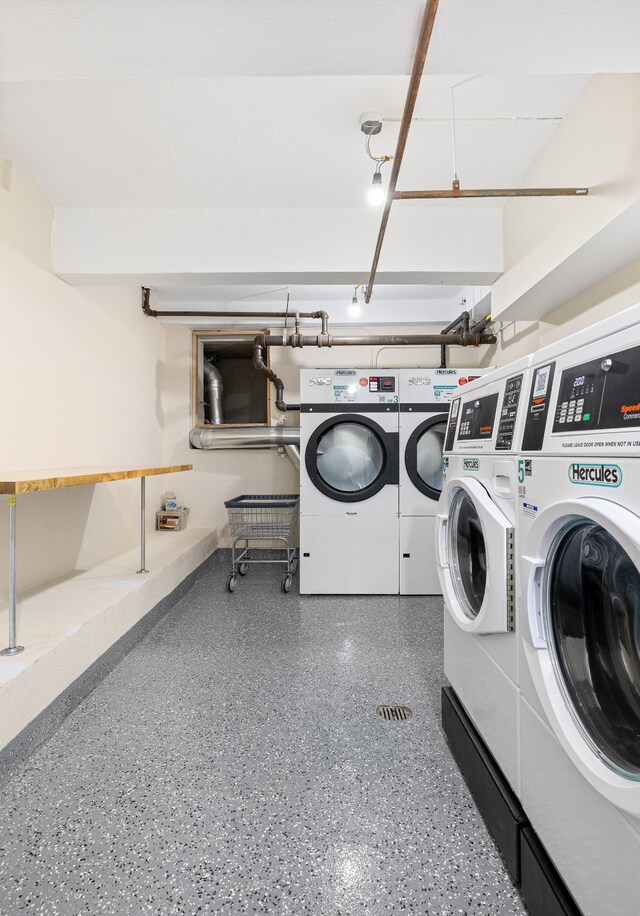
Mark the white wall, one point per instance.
(597, 146)
(220, 475)
(79, 381)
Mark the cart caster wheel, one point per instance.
(287, 582)
(294, 566)
(231, 583)
(243, 568)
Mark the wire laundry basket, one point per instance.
(263, 517)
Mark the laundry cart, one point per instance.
(256, 520)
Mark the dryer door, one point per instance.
(350, 458)
(423, 455)
(583, 587)
(474, 546)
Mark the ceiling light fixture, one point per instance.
(370, 125)
(355, 308)
(375, 194)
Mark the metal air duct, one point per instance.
(250, 437)
(213, 392)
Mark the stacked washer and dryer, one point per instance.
(579, 617)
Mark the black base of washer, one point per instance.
(541, 887)
(501, 810)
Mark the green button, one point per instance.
(586, 416)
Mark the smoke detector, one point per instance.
(370, 123)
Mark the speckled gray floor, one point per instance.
(233, 763)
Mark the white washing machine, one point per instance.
(475, 535)
(425, 398)
(579, 620)
(349, 482)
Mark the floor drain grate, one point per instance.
(394, 713)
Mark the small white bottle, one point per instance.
(169, 500)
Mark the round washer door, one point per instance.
(584, 593)
(350, 458)
(423, 455)
(474, 549)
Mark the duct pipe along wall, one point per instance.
(252, 437)
(213, 392)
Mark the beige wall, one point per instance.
(79, 380)
(519, 338)
(220, 475)
(26, 216)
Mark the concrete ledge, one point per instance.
(76, 630)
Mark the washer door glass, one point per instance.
(350, 457)
(467, 554)
(429, 456)
(592, 617)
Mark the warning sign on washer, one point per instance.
(529, 510)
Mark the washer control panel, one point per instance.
(601, 394)
(477, 418)
(508, 413)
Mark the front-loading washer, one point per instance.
(579, 617)
(349, 481)
(425, 398)
(475, 552)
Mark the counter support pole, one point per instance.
(12, 648)
(142, 527)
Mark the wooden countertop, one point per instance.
(58, 478)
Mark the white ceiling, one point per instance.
(187, 105)
(271, 142)
(115, 39)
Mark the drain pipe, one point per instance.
(461, 321)
(214, 392)
(156, 313)
(263, 341)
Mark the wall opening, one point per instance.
(245, 390)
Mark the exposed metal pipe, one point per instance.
(443, 356)
(482, 324)
(426, 28)
(263, 341)
(457, 192)
(213, 391)
(156, 313)
(461, 321)
(245, 437)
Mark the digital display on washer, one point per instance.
(603, 393)
(382, 383)
(508, 413)
(477, 418)
(538, 408)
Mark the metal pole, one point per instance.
(458, 192)
(426, 28)
(12, 648)
(142, 526)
